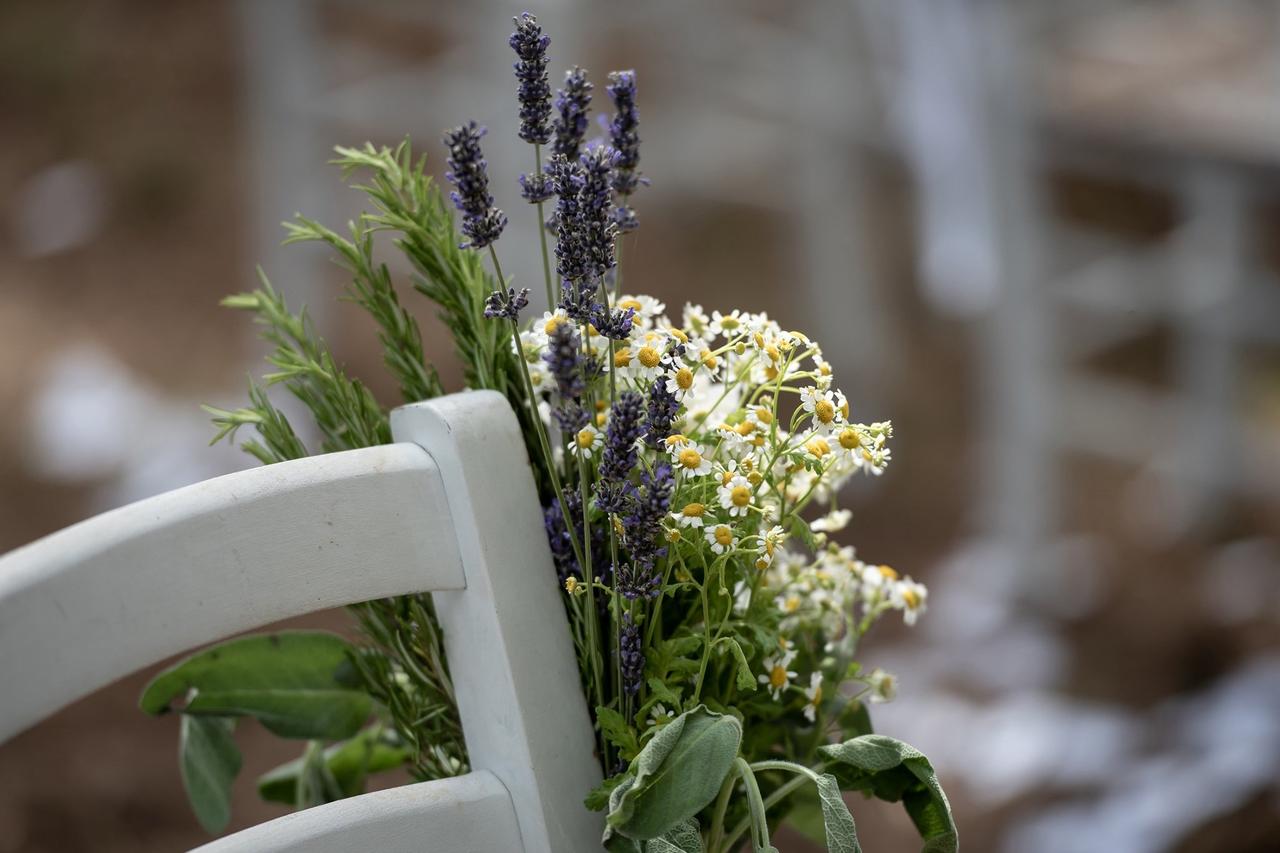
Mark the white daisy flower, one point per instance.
(690, 516)
(735, 495)
(689, 457)
(769, 544)
(836, 520)
(822, 406)
(884, 685)
(660, 715)
(586, 442)
(776, 676)
(695, 321)
(646, 307)
(909, 597)
(729, 325)
(874, 461)
(721, 538)
(814, 696)
(680, 382)
(818, 449)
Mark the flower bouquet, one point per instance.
(690, 466)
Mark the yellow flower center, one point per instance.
(755, 478)
(675, 438)
(740, 496)
(709, 360)
(622, 358)
(601, 418)
(679, 335)
(745, 428)
(910, 598)
(725, 477)
(817, 696)
(818, 447)
(778, 677)
(690, 458)
(824, 369)
(866, 455)
(586, 438)
(724, 536)
(552, 324)
(844, 410)
(771, 373)
(824, 411)
(673, 535)
(729, 323)
(570, 585)
(772, 352)
(684, 379)
(693, 510)
(633, 304)
(763, 415)
(649, 356)
(849, 439)
(888, 573)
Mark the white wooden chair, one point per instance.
(451, 508)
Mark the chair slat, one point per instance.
(469, 814)
(125, 589)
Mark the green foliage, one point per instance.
(842, 837)
(347, 763)
(677, 773)
(209, 761)
(292, 682)
(891, 770)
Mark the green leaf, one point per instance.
(348, 763)
(674, 777)
(290, 681)
(891, 770)
(209, 761)
(745, 679)
(842, 836)
(800, 530)
(617, 732)
(659, 690)
(683, 838)
(598, 799)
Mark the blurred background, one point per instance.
(1039, 236)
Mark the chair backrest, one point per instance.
(451, 509)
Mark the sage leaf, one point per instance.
(209, 761)
(745, 678)
(683, 838)
(598, 799)
(891, 770)
(348, 763)
(842, 836)
(293, 682)
(676, 774)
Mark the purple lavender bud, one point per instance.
(622, 131)
(564, 360)
(567, 179)
(561, 544)
(615, 325)
(537, 187)
(643, 532)
(534, 90)
(621, 435)
(631, 655)
(573, 103)
(578, 299)
(595, 225)
(624, 217)
(662, 410)
(482, 223)
(506, 305)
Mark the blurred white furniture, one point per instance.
(451, 508)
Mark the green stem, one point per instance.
(552, 296)
(717, 814)
(782, 792)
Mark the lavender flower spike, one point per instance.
(573, 102)
(631, 655)
(595, 228)
(506, 305)
(622, 132)
(534, 92)
(482, 223)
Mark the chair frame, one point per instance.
(450, 508)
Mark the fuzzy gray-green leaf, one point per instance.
(677, 773)
(842, 836)
(209, 761)
(891, 770)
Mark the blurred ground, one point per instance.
(124, 188)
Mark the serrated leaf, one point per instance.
(615, 729)
(290, 681)
(800, 530)
(745, 679)
(598, 799)
(891, 770)
(675, 776)
(348, 763)
(209, 761)
(659, 690)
